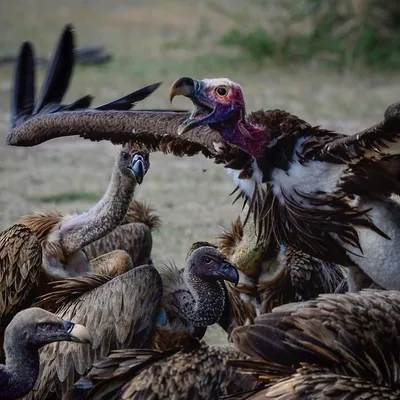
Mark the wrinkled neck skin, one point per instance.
(80, 230)
(203, 304)
(244, 135)
(22, 367)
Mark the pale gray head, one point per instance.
(133, 164)
(38, 327)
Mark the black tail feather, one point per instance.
(59, 72)
(23, 95)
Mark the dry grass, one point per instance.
(155, 41)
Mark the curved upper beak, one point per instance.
(138, 170)
(229, 273)
(77, 333)
(182, 87)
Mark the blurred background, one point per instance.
(333, 63)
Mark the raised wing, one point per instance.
(118, 312)
(382, 139)
(20, 269)
(155, 130)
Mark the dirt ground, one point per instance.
(160, 41)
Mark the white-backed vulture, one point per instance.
(28, 331)
(155, 307)
(342, 346)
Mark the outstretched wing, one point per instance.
(156, 130)
(119, 313)
(381, 140)
(20, 268)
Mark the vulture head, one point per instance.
(208, 263)
(219, 103)
(38, 327)
(133, 164)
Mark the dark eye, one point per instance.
(221, 90)
(125, 155)
(207, 260)
(45, 327)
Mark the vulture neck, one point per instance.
(246, 136)
(80, 230)
(19, 374)
(208, 299)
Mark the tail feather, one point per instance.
(59, 73)
(127, 102)
(23, 95)
(140, 212)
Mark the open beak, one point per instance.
(192, 89)
(228, 272)
(77, 333)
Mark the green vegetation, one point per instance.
(343, 33)
(67, 197)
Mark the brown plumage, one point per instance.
(270, 276)
(156, 307)
(194, 372)
(134, 235)
(21, 276)
(339, 345)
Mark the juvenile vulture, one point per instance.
(30, 330)
(270, 275)
(192, 371)
(153, 307)
(342, 346)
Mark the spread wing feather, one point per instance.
(156, 130)
(119, 313)
(382, 139)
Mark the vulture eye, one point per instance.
(45, 327)
(221, 90)
(207, 260)
(125, 155)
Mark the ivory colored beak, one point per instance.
(80, 334)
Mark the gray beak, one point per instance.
(138, 170)
(229, 273)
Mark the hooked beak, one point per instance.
(192, 89)
(228, 272)
(77, 333)
(138, 168)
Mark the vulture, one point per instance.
(192, 371)
(135, 239)
(342, 346)
(48, 246)
(321, 192)
(28, 331)
(325, 194)
(146, 307)
(270, 275)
